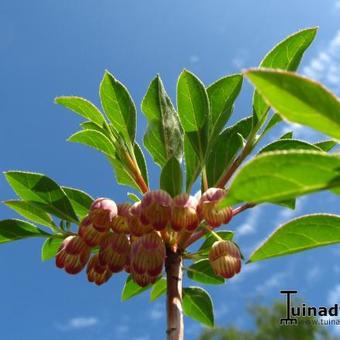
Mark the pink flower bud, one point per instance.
(208, 207)
(120, 222)
(136, 226)
(96, 272)
(91, 236)
(156, 209)
(102, 211)
(225, 259)
(72, 255)
(143, 280)
(184, 215)
(147, 255)
(114, 251)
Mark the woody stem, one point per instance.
(173, 267)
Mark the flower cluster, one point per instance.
(131, 238)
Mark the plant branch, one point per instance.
(241, 208)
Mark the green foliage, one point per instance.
(132, 289)
(164, 135)
(171, 177)
(197, 305)
(299, 100)
(202, 272)
(80, 201)
(158, 289)
(285, 56)
(44, 191)
(13, 229)
(281, 175)
(50, 248)
(300, 234)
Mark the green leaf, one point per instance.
(80, 200)
(226, 148)
(39, 188)
(50, 248)
(222, 95)
(274, 120)
(158, 289)
(326, 145)
(211, 239)
(193, 109)
(193, 165)
(303, 233)
(141, 162)
(83, 107)
(202, 272)
(118, 106)
(132, 289)
(298, 99)
(288, 135)
(164, 136)
(197, 305)
(13, 229)
(281, 175)
(122, 175)
(133, 197)
(289, 144)
(285, 56)
(171, 177)
(31, 212)
(94, 139)
(93, 126)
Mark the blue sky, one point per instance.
(51, 48)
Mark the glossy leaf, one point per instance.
(133, 197)
(158, 289)
(197, 305)
(132, 289)
(80, 201)
(141, 162)
(93, 126)
(193, 165)
(13, 229)
(118, 106)
(326, 145)
(303, 233)
(222, 95)
(281, 175)
(171, 177)
(299, 100)
(164, 135)
(226, 148)
(202, 272)
(39, 188)
(83, 107)
(289, 144)
(285, 56)
(50, 248)
(287, 135)
(31, 212)
(94, 139)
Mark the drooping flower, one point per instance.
(73, 254)
(143, 280)
(136, 226)
(147, 255)
(120, 222)
(208, 207)
(114, 251)
(156, 209)
(96, 272)
(225, 259)
(89, 233)
(183, 214)
(102, 211)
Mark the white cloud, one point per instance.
(78, 323)
(273, 282)
(325, 67)
(157, 312)
(334, 295)
(194, 59)
(337, 5)
(313, 274)
(250, 224)
(245, 272)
